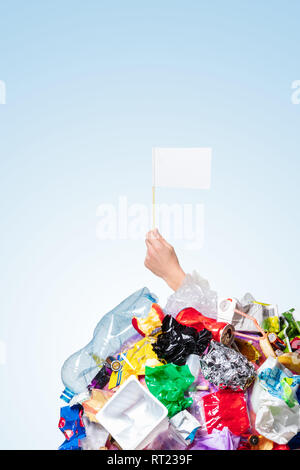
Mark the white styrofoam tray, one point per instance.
(133, 416)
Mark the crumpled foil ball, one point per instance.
(226, 368)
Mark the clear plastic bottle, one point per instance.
(114, 328)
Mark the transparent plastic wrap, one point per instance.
(197, 391)
(179, 434)
(96, 436)
(194, 292)
(167, 440)
(109, 336)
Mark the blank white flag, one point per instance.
(182, 167)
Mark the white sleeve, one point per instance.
(194, 292)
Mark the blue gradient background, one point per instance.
(91, 87)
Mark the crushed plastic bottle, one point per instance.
(111, 332)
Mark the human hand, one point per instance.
(162, 260)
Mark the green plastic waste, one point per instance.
(168, 384)
(290, 328)
(294, 328)
(286, 384)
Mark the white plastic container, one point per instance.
(133, 416)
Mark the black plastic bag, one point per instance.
(176, 342)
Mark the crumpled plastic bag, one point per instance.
(168, 384)
(194, 292)
(96, 435)
(275, 420)
(226, 367)
(257, 388)
(278, 384)
(226, 408)
(218, 440)
(176, 342)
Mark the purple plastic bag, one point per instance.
(217, 440)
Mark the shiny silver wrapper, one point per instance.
(227, 368)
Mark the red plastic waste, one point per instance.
(221, 332)
(226, 408)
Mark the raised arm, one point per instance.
(162, 260)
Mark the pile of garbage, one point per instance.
(200, 374)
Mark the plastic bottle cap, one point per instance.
(253, 440)
(116, 365)
(113, 363)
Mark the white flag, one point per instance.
(181, 167)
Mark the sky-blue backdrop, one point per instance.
(91, 87)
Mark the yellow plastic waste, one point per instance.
(291, 360)
(134, 361)
(263, 444)
(146, 326)
(248, 350)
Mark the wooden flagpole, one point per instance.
(153, 188)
